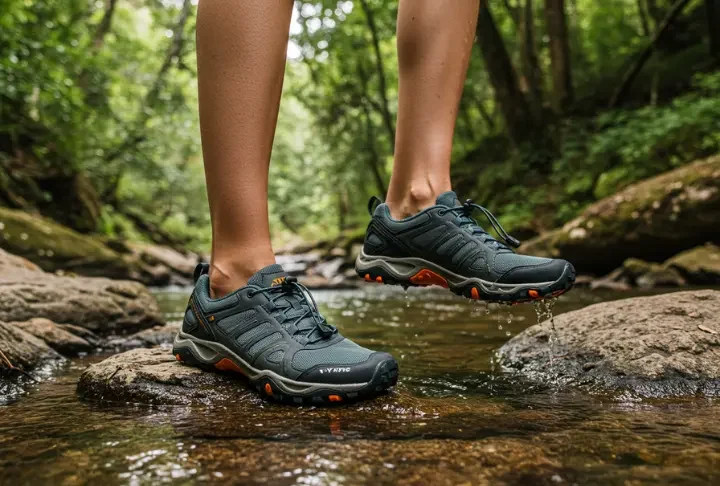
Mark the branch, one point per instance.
(387, 116)
(136, 135)
(632, 73)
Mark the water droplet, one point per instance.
(487, 307)
(407, 299)
(23, 236)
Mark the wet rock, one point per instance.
(653, 219)
(100, 305)
(699, 266)
(85, 334)
(155, 336)
(651, 346)
(22, 350)
(154, 376)
(61, 340)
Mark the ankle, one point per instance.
(228, 276)
(414, 199)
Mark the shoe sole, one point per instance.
(416, 272)
(214, 356)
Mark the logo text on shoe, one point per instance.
(334, 370)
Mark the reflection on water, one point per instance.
(454, 418)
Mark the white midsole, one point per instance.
(404, 268)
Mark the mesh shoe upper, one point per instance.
(447, 235)
(274, 324)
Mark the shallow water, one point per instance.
(454, 417)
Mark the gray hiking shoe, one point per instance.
(443, 245)
(271, 332)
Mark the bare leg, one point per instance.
(241, 49)
(434, 40)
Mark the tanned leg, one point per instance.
(434, 40)
(241, 50)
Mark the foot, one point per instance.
(271, 332)
(442, 245)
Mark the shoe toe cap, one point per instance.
(377, 363)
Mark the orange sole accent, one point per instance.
(428, 277)
(178, 358)
(379, 279)
(474, 293)
(268, 389)
(335, 398)
(534, 294)
(367, 277)
(226, 364)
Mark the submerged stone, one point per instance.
(655, 346)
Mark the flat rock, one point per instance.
(58, 338)
(100, 305)
(659, 346)
(153, 376)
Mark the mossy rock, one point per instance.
(699, 266)
(653, 220)
(54, 247)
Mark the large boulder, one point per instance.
(659, 346)
(55, 247)
(100, 305)
(653, 220)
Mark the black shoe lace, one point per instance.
(310, 324)
(464, 212)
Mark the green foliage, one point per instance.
(116, 108)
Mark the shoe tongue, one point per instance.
(269, 276)
(448, 199)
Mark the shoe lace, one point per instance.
(465, 219)
(310, 324)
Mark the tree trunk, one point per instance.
(101, 31)
(632, 73)
(712, 10)
(559, 54)
(529, 60)
(387, 116)
(644, 22)
(374, 158)
(510, 100)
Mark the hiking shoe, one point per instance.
(271, 332)
(443, 245)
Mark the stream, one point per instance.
(454, 418)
